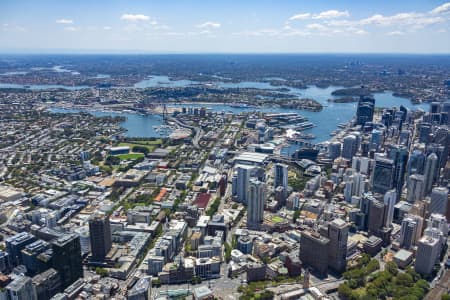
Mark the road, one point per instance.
(198, 131)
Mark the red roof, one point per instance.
(202, 200)
(161, 195)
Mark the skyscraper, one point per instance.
(416, 187)
(416, 163)
(390, 199)
(430, 172)
(350, 147)
(427, 253)
(439, 201)
(16, 243)
(365, 110)
(47, 284)
(376, 139)
(334, 150)
(280, 176)
(424, 132)
(404, 138)
(314, 251)
(376, 217)
(383, 175)
(100, 234)
(21, 289)
(408, 232)
(67, 258)
(242, 181)
(256, 201)
(439, 222)
(399, 154)
(338, 236)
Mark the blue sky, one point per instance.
(331, 26)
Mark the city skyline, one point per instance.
(224, 27)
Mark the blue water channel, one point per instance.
(326, 121)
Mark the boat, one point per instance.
(308, 136)
(304, 125)
(333, 133)
(240, 105)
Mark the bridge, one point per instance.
(157, 108)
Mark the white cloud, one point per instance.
(304, 16)
(418, 20)
(358, 31)
(161, 27)
(331, 14)
(316, 26)
(13, 28)
(328, 14)
(259, 32)
(396, 32)
(339, 23)
(209, 25)
(389, 20)
(64, 21)
(174, 33)
(412, 20)
(70, 28)
(297, 33)
(134, 18)
(107, 27)
(442, 9)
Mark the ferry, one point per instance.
(308, 136)
(304, 125)
(295, 136)
(241, 105)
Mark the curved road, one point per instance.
(198, 131)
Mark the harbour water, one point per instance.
(42, 86)
(326, 120)
(137, 125)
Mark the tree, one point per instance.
(140, 149)
(364, 259)
(266, 295)
(101, 271)
(445, 297)
(404, 279)
(112, 160)
(156, 282)
(227, 252)
(345, 292)
(196, 280)
(296, 215)
(391, 267)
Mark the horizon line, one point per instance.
(148, 52)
